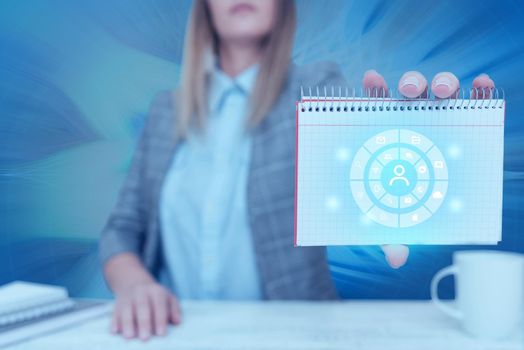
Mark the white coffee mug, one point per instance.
(489, 289)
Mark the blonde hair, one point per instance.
(201, 44)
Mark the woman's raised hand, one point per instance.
(413, 84)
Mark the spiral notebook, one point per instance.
(29, 310)
(398, 171)
(24, 301)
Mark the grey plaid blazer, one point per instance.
(287, 272)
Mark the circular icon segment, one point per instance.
(399, 178)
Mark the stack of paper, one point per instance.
(22, 301)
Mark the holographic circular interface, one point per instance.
(399, 178)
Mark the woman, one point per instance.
(207, 209)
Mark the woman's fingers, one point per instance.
(144, 311)
(115, 320)
(374, 84)
(412, 84)
(396, 255)
(143, 315)
(159, 301)
(175, 315)
(445, 85)
(482, 87)
(127, 320)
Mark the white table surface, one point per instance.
(351, 325)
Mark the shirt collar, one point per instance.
(221, 84)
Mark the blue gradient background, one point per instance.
(76, 79)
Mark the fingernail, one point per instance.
(144, 335)
(410, 80)
(410, 85)
(161, 331)
(443, 80)
(370, 71)
(484, 75)
(443, 85)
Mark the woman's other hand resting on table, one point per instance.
(143, 307)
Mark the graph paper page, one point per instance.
(425, 175)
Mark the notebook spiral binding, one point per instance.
(344, 99)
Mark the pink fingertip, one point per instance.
(143, 335)
(412, 84)
(483, 81)
(442, 91)
(396, 255)
(128, 335)
(410, 91)
(444, 85)
(396, 262)
(372, 79)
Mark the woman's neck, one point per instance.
(236, 57)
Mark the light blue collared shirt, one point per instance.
(204, 222)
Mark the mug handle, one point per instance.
(451, 311)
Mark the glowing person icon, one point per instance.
(395, 182)
(399, 177)
(399, 172)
